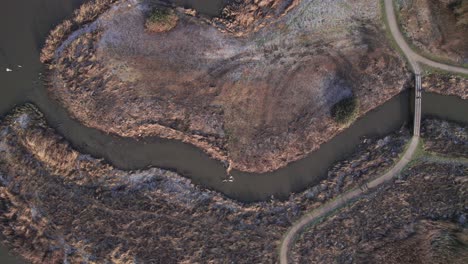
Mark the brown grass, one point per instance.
(114, 216)
(461, 12)
(87, 13)
(55, 155)
(54, 39)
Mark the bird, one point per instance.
(230, 179)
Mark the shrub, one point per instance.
(344, 110)
(161, 20)
(461, 12)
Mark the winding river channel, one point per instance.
(24, 24)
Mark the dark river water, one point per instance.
(24, 25)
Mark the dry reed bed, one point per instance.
(58, 205)
(87, 13)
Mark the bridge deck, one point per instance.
(417, 105)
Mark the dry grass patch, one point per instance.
(50, 152)
(56, 36)
(87, 13)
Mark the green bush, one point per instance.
(160, 20)
(159, 15)
(344, 110)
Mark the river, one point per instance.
(24, 24)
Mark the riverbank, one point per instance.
(37, 163)
(352, 239)
(445, 138)
(446, 84)
(253, 102)
(419, 218)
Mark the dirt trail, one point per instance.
(414, 60)
(412, 56)
(343, 199)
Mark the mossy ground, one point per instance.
(161, 20)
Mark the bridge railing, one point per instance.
(417, 105)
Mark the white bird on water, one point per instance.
(9, 70)
(230, 179)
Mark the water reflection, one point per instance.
(24, 24)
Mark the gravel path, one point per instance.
(343, 199)
(414, 60)
(412, 56)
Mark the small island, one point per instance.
(256, 91)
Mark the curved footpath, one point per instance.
(414, 60)
(343, 199)
(412, 56)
